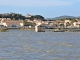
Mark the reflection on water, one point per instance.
(29, 45)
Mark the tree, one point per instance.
(61, 25)
(12, 15)
(38, 17)
(68, 24)
(73, 20)
(27, 23)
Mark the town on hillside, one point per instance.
(14, 20)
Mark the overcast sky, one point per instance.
(46, 8)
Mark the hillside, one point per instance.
(61, 17)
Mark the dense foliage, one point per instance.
(17, 16)
(36, 17)
(14, 16)
(27, 23)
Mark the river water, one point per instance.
(31, 45)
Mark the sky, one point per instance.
(46, 8)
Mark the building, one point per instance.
(76, 24)
(11, 23)
(28, 15)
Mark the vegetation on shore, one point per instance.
(3, 30)
(27, 29)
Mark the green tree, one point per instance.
(27, 23)
(73, 20)
(61, 25)
(68, 24)
(38, 17)
(12, 15)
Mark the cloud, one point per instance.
(35, 3)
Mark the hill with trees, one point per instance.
(63, 18)
(13, 16)
(17, 16)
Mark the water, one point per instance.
(29, 45)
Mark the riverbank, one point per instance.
(66, 30)
(26, 28)
(3, 29)
(52, 30)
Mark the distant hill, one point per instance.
(61, 17)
